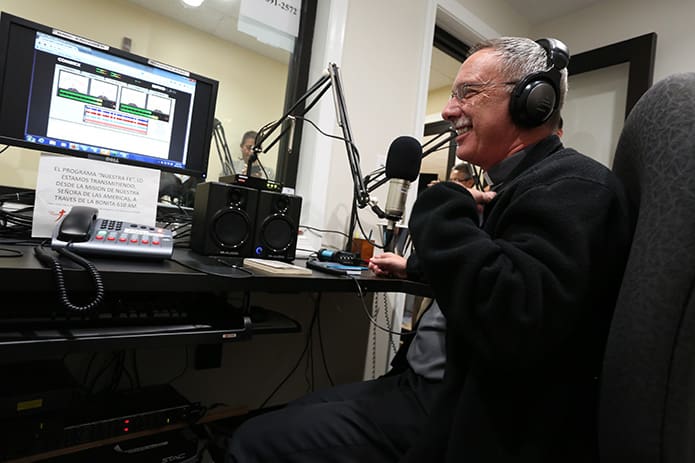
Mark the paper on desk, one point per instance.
(120, 192)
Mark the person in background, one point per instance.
(461, 174)
(527, 287)
(241, 163)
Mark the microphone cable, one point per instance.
(51, 261)
(372, 319)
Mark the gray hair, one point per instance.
(520, 57)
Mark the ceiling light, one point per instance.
(193, 3)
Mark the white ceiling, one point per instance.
(219, 17)
(537, 11)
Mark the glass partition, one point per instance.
(256, 81)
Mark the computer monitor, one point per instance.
(63, 93)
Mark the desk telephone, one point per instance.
(83, 232)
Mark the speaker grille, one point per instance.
(276, 225)
(223, 219)
(277, 233)
(231, 228)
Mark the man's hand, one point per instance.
(388, 264)
(481, 197)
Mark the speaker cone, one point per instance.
(231, 228)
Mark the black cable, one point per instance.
(355, 192)
(321, 348)
(4, 149)
(309, 377)
(185, 369)
(16, 222)
(220, 261)
(257, 149)
(354, 164)
(234, 266)
(89, 367)
(366, 311)
(136, 371)
(299, 360)
(373, 330)
(312, 252)
(51, 261)
(260, 164)
(324, 231)
(369, 240)
(320, 230)
(117, 372)
(6, 252)
(15, 196)
(125, 371)
(103, 370)
(337, 137)
(387, 317)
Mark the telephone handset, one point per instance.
(78, 224)
(83, 232)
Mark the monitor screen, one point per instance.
(62, 93)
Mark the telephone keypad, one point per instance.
(118, 238)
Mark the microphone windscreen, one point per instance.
(404, 158)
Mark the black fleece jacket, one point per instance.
(528, 298)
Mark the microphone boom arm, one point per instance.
(361, 193)
(321, 86)
(379, 175)
(222, 148)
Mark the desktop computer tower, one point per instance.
(223, 219)
(277, 224)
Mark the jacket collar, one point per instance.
(508, 169)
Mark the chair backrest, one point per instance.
(647, 406)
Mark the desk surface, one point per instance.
(185, 272)
(182, 299)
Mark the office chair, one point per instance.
(647, 401)
(170, 186)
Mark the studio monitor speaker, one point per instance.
(277, 224)
(223, 219)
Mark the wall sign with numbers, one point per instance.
(282, 15)
(287, 6)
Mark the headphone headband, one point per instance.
(558, 53)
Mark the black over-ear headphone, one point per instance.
(537, 96)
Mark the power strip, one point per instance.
(95, 418)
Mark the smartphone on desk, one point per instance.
(335, 268)
(84, 232)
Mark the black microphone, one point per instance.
(402, 167)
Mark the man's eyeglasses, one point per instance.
(465, 91)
